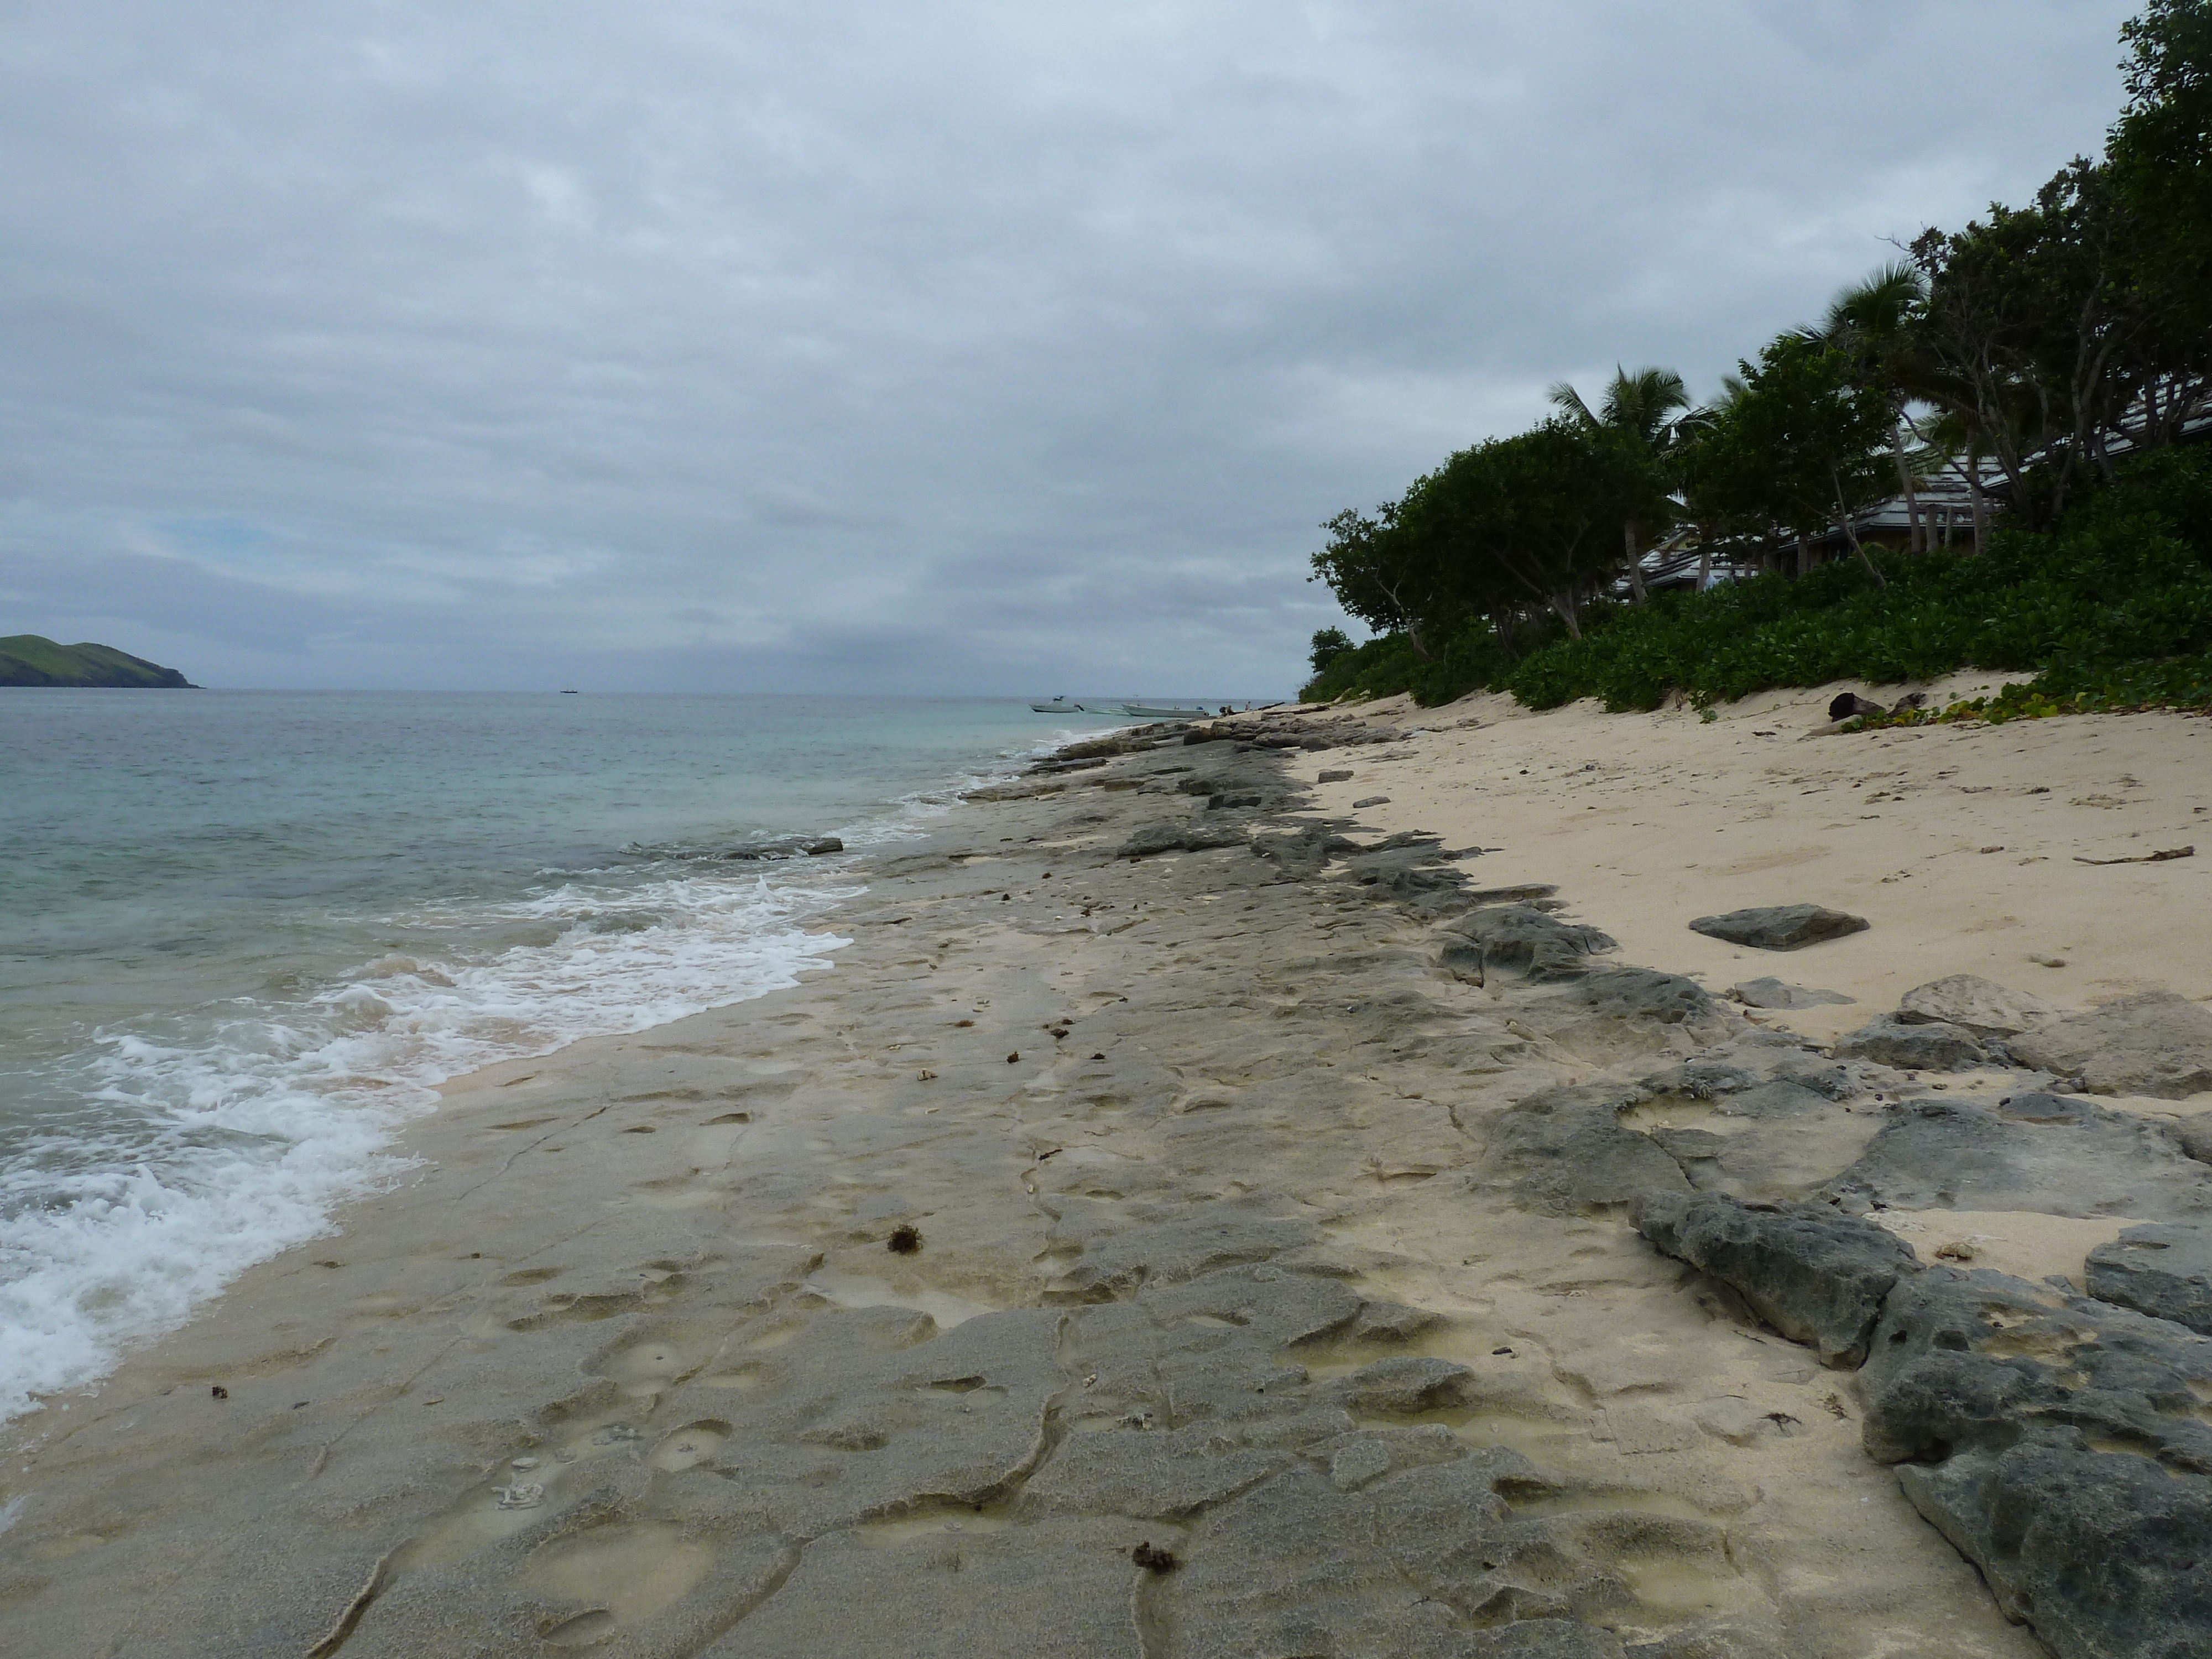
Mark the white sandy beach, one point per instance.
(1231, 1242)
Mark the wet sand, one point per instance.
(1227, 1242)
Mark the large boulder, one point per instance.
(2164, 1270)
(1817, 1276)
(2157, 1043)
(1981, 1007)
(1780, 927)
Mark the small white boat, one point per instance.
(1057, 706)
(1160, 711)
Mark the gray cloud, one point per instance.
(969, 346)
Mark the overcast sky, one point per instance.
(890, 345)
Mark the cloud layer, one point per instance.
(947, 347)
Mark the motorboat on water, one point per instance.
(1057, 706)
(1162, 711)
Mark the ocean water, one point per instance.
(243, 936)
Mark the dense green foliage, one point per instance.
(2113, 605)
(2023, 354)
(1328, 644)
(30, 660)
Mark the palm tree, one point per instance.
(1871, 322)
(1639, 410)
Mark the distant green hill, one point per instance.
(27, 659)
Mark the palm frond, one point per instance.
(1569, 402)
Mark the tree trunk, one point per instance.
(1912, 496)
(1981, 505)
(1562, 602)
(1705, 568)
(1851, 534)
(1804, 559)
(1635, 563)
(1502, 620)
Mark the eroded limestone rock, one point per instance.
(2031, 1151)
(2164, 1270)
(2157, 1043)
(1980, 1006)
(1816, 1276)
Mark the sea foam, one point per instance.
(223, 1146)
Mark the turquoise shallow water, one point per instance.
(243, 935)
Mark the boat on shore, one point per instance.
(1057, 706)
(1162, 711)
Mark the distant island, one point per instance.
(28, 659)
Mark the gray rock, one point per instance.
(1403, 867)
(1645, 994)
(1779, 1100)
(1980, 1361)
(1922, 1048)
(1981, 1007)
(1515, 938)
(1371, 801)
(2157, 1044)
(1778, 1142)
(1054, 1586)
(1304, 853)
(1834, 1081)
(1120, 1263)
(1336, 775)
(2102, 1554)
(1544, 1638)
(1426, 1563)
(1405, 1384)
(1380, 1322)
(2164, 1270)
(1155, 1476)
(1368, 1454)
(1563, 1151)
(1172, 837)
(1771, 992)
(1779, 926)
(792, 846)
(1701, 1079)
(1996, 1398)
(1528, 892)
(2034, 1152)
(1277, 1307)
(1460, 959)
(1814, 1275)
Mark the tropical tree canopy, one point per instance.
(2023, 351)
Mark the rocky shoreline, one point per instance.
(1184, 1226)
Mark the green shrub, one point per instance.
(2110, 608)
